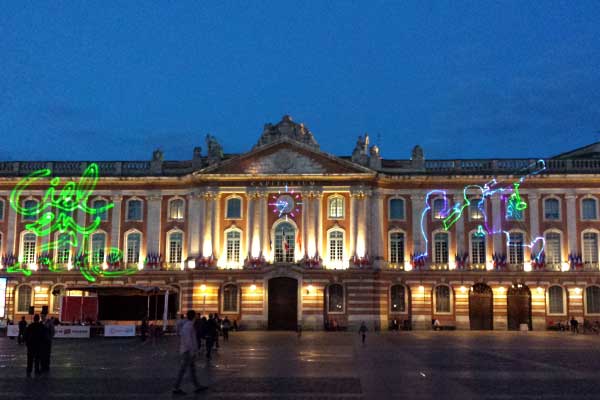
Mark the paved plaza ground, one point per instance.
(322, 365)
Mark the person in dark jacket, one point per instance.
(34, 337)
(46, 348)
(22, 327)
(211, 334)
(200, 329)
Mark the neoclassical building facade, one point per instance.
(286, 234)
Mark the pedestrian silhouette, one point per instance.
(34, 336)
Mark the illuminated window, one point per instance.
(63, 251)
(552, 209)
(98, 247)
(134, 210)
(439, 207)
(176, 209)
(336, 207)
(335, 298)
(30, 205)
(57, 293)
(233, 245)
(1, 210)
(442, 299)
(100, 204)
(397, 299)
(589, 209)
(590, 248)
(515, 248)
(230, 298)
(29, 251)
(133, 243)
(556, 304)
(285, 236)
(396, 209)
(553, 248)
(477, 248)
(592, 300)
(440, 248)
(335, 243)
(475, 212)
(397, 247)
(24, 298)
(234, 208)
(175, 247)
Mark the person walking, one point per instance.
(34, 335)
(211, 334)
(188, 347)
(144, 329)
(226, 328)
(22, 327)
(46, 349)
(200, 331)
(363, 331)
(179, 324)
(574, 325)
(218, 325)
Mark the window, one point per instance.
(440, 248)
(556, 303)
(98, 247)
(1, 210)
(176, 209)
(553, 253)
(397, 247)
(442, 299)
(397, 209)
(592, 300)
(63, 251)
(336, 245)
(335, 296)
(285, 236)
(590, 248)
(477, 248)
(133, 243)
(475, 212)
(589, 211)
(57, 293)
(100, 204)
(233, 239)
(552, 209)
(234, 208)
(397, 299)
(515, 215)
(515, 248)
(30, 205)
(439, 207)
(24, 298)
(175, 247)
(134, 210)
(336, 207)
(230, 298)
(29, 243)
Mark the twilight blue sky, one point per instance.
(114, 80)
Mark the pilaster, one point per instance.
(115, 225)
(153, 223)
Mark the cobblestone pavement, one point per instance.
(321, 365)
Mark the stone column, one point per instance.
(216, 205)
(81, 221)
(421, 302)
(461, 304)
(208, 243)
(201, 221)
(306, 221)
(153, 224)
(497, 224)
(318, 211)
(115, 222)
(250, 220)
(417, 204)
(571, 226)
(193, 225)
(12, 228)
(500, 307)
(377, 235)
(534, 219)
(264, 229)
(460, 227)
(352, 231)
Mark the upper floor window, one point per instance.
(230, 298)
(285, 242)
(30, 205)
(99, 204)
(133, 245)
(335, 298)
(134, 210)
(442, 299)
(29, 250)
(234, 208)
(477, 248)
(440, 248)
(24, 298)
(556, 304)
(1, 209)
(63, 251)
(98, 244)
(552, 209)
(233, 245)
(175, 243)
(553, 248)
(176, 209)
(336, 245)
(439, 208)
(397, 299)
(396, 209)
(515, 248)
(336, 207)
(590, 248)
(589, 209)
(396, 247)
(475, 209)
(592, 300)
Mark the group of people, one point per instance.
(573, 326)
(37, 336)
(193, 330)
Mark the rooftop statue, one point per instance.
(287, 128)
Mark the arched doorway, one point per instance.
(481, 307)
(285, 242)
(283, 303)
(519, 306)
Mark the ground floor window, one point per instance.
(335, 298)
(592, 299)
(556, 300)
(397, 299)
(230, 298)
(442, 299)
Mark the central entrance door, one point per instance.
(283, 304)
(481, 307)
(519, 307)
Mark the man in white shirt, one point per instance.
(188, 347)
